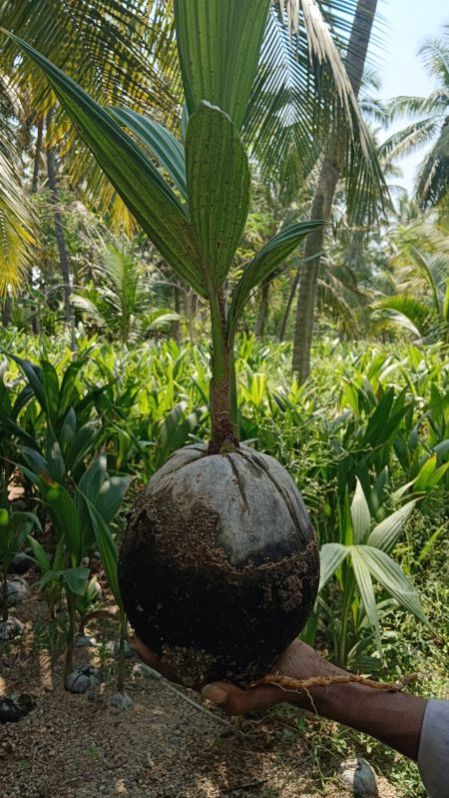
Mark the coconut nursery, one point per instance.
(223, 394)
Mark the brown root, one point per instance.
(304, 685)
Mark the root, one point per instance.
(289, 684)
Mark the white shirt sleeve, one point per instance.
(433, 755)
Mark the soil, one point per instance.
(72, 746)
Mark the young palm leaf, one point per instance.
(162, 144)
(219, 45)
(366, 557)
(265, 263)
(218, 183)
(132, 173)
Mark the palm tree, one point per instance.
(97, 42)
(300, 88)
(420, 263)
(122, 298)
(430, 125)
(331, 171)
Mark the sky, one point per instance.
(406, 24)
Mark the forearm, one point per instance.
(393, 718)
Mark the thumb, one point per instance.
(236, 701)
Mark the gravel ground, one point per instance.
(72, 746)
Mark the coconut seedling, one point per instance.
(219, 567)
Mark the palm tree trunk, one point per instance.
(6, 311)
(177, 326)
(324, 195)
(35, 323)
(291, 296)
(259, 327)
(60, 237)
(37, 157)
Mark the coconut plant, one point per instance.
(219, 567)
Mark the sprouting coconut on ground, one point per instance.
(219, 566)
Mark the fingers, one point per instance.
(150, 658)
(146, 654)
(235, 701)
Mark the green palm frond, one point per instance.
(334, 303)
(122, 296)
(283, 113)
(409, 139)
(433, 176)
(16, 222)
(411, 106)
(106, 60)
(436, 59)
(125, 53)
(406, 311)
(303, 92)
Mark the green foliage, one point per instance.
(219, 45)
(61, 461)
(14, 529)
(162, 144)
(121, 304)
(361, 555)
(369, 424)
(17, 221)
(218, 184)
(199, 239)
(265, 263)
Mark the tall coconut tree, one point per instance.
(430, 125)
(330, 172)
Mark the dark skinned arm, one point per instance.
(394, 719)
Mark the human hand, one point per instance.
(299, 661)
(394, 718)
(150, 658)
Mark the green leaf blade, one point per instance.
(218, 182)
(219, 43)
(386, 534)
(133, 175)
(66, 517)
(360, 514)
(365, 586)
(332, 556)
(168, 150)
(392, 579)
(266, 262)
(76, 580)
